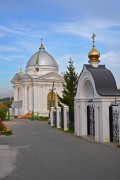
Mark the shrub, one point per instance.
(2, 115)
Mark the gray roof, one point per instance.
(16, 104)
(104, 80)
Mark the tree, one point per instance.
(69, 91)
(3, 107)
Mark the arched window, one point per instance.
(51, 100)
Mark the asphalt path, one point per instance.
(39, 152)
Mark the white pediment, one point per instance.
(51, 76)
(18, 78)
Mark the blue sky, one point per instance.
(66, 28)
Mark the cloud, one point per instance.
(8, 48)
(28, 32)
(85, 28)
(111, 59)
(11, 58)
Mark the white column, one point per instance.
(16, 112)
(97, 123)
(58, 117)
(105, 130)
(25, 99)
(83, 118)
(65, 111)
(30, 98)
(51, 116)
(15, 93)
(75, 116)
(119, 120)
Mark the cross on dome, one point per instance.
(94, 54)
(93, 37)
(41, 46)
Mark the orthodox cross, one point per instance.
(41, 40)
(52, 91)
(51, 101)
(93, 37)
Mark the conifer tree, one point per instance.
(69, 91)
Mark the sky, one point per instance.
(66, 28)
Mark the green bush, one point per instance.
(7, 133)
(1, 127)
(2, 115)
(42, 118)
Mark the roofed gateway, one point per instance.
(96, 110)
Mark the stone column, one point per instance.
(51, 116)
(25, 100)
(75, 117)
(58, 117)
(15, 93)
(66, 119)
(119, 119)
(97, 111)
(105, 130)
(16, 112)
(83, 118)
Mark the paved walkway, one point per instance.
(39, 152)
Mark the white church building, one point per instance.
(96, 105)
(33, 89)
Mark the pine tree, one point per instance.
(69, 90)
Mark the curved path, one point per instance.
(39, 152)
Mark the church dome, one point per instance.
(94, 55)
(42, 59)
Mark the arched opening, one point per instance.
(87, 90)
(51, 100)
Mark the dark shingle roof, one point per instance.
(104, 80)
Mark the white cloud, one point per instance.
(111, 59)
(27, 32)
(8, 48)
(11, 58)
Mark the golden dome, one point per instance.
(20, 71)
(94, 55)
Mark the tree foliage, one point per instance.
(69, 89)
(8, 103)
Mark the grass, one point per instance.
(41, 118)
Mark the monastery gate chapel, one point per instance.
(97, 101)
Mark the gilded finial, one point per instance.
(93, 37)
(41, 40)
(41, 46)
(20, 71)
